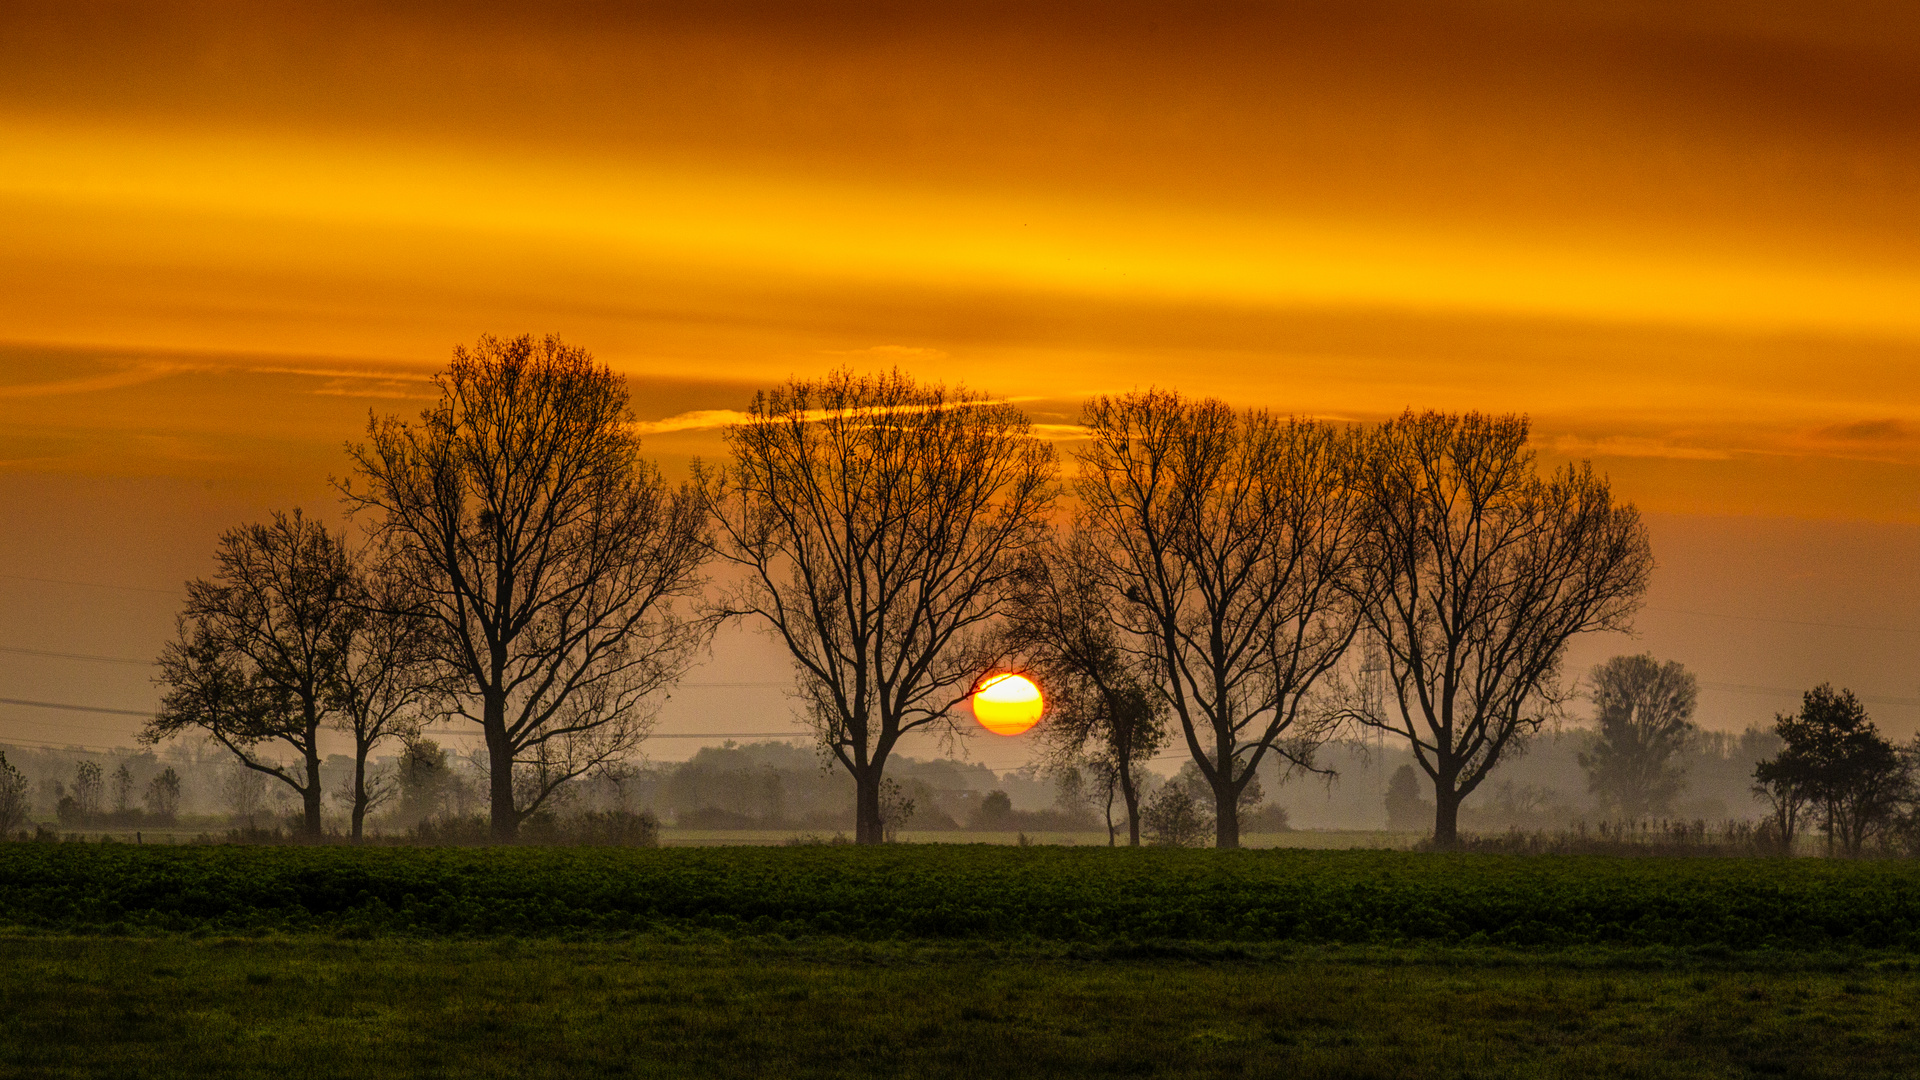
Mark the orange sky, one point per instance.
(1685, 238)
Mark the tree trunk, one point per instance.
(1226, 814)
(867, 826)
(311, 796)
(1446, 816)
(505, 820)
(1113, 831)
(359, 789)
(1131, 793)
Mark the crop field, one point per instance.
(947, 960)
(983, 892)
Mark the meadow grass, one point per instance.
(949, 961)
(303, 1006)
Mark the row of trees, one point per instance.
(1203, 578)
(1221, 566)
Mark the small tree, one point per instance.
(1406, 810)
(1172, 817)
(422, 777)
(878, 525)
(1104, 717)
(13, 798)
(260, 650)
(1836, 761)
(88, 788)
(385, 677)
(163, 795)
(1478, 572)
(995, 811)
(245, 790)
(548, 558)
(896, 809)
(122, 788)
(1644, 711)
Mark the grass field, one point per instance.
(949, 961)
(307, 1007)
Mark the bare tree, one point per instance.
(878, 524)
(385, 678)
(548, 557)
(1231, 537)
(1103, 715)
(244, 789)
(260, 649)
(1644, 710)
(1479, 571)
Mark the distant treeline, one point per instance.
(781, 786)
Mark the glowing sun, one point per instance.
(1007, 703)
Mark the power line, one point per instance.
(76, 656)
(98, 658)
(74, 708)
(44, 744)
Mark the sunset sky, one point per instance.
(1684, 238)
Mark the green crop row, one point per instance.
(984, 892)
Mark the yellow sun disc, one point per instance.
(1007, 704)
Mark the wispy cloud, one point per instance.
(697, 420)
(710, 419)
(133, 375)
(899, 353)
(1876, 431)
(1637, 446)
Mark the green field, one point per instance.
(949, 961)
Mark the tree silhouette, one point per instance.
(386, 677)
(878, 525)
(260, 649)
(1836, 760)
(163, 795)
(1104, 717)
(1478, 572)
(1230, 538)
(1644, 713)
(546, 555)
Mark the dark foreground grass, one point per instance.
(305, 1006)
(981, 893)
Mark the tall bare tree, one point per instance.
(548, 556)
(1231, 537)
(260, 649)
(1103, 715)
(1644, 711)
(1479, 572)
(878, 524)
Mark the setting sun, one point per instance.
(1007, 704)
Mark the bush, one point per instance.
(712, 817)
(1172, 817)
(595, 828)
(1269, 818)
(588, 828)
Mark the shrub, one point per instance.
(1174, 818)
